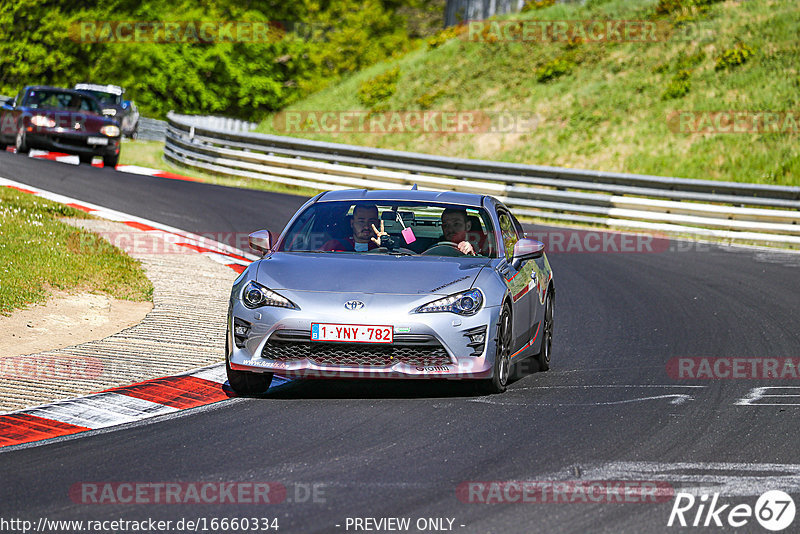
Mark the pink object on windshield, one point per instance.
(408, 235)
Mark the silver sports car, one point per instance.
(392, 284)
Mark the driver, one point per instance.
(365, 234)
(455, 226)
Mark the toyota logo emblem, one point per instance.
(353, 305)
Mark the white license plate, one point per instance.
(351, 333)
(97, 141)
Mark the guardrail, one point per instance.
(727, 210)
(156, 130)
(151, 129)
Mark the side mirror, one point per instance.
(260, 241)
(527, 249)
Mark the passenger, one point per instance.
(455, 226)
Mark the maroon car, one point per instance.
(59, 120)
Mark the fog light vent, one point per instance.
(477, 339)
(241, 330)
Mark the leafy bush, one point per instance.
(679, 85)
(668, 7)
(554, 69)
(40, 43)
(445, 35)
(378, 89)
(426, 100)
(532, 5)
(733, 57)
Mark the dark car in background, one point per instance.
(114, 105)
(59, 120)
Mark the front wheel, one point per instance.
(246, 383)
(110, 161)
(502, 359)
(21, 143)
(543, 358)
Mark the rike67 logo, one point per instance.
(774, 510)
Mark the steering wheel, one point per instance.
(446, 251)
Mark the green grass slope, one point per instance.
(601, 105)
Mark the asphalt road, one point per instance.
(607, 410)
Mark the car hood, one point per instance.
(346, 273)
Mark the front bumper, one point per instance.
(426, 345)
(70, 143)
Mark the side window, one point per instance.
(509, 234)
(86, 105)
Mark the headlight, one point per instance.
(254, 295)
(110, 130)
(110, 112)
(44, 122)
(464, 303)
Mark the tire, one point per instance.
(246, 383)
(543, 358)
(502, 360)
(20, 142)
(86, 159)
(111, 161)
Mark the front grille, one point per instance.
(417, 350)
(71, 141)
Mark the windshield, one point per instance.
(37, 99)
(410, 228)
(106, 98)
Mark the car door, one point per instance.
(537, 284)
(518, 280)
(9, 117)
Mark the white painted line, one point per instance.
(757, 394)
(213, 374)
(224, 260)
(135, 169)
(100, 410)
(676, 399)
(612, 386)
(697, 478)
(508, 398)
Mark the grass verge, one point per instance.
(38, 252)
(599, 105)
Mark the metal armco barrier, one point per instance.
(151, 129)
(727, 210)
